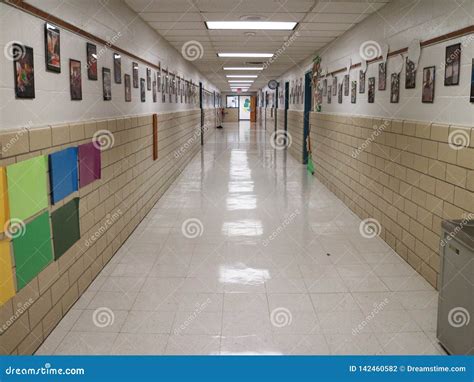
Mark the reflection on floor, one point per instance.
(248, 254)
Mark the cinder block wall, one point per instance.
(131, 184)
(295, 129)
(408, 178)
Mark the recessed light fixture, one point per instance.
(252, 25)
(243, 67)
(245, 54)
(240, 81)
(241, 75)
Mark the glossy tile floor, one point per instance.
(248, 254)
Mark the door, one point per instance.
(287, 103)
(253, 109)
(307, 110)
(244, 108)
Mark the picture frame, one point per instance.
(91, 61)
(154, 91)
(325, 87)
(452, 65)
(106, 84)
(371, 95)
(75, 80)
(117, 68)
(329, 93)
(472, 81)
(428, 88)
(142, 90)
(361, 82)
(339, 93)
(346, 85)
(128, 88)
(23, 70)
(158, 78)
(135, 74)
(410, 74)
(334, 86)
(382, 76)
(395, 88)
(148, 79)
(52, 42)
(353, 91)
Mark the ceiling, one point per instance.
(319, 22)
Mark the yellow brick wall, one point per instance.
(295, 129)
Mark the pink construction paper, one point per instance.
(89, 163)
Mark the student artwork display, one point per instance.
(158, 80)
(334, 86)
(23, 66)
(339, 93)
(427, 95)
(128, 88)
(91, 52)
(52, 48)
(410, 74)
(135, 74)
(361, 81)
(472, 81)
(106, 84)
(346, 85)
(371, 89)
(382, 76)
(117, 68)
(329, 94)
(353, 91)
(325, 87)
(395, 88)
(148, 78)
(452, 65)
(142, 90)
(154, 89)
(75, 79)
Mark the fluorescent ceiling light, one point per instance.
(240, 81)
(245, 54)
(243, 67)
(256, 25)
(241, 75)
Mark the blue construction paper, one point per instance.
(63, 173)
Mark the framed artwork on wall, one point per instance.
(24, 71)
(472, 81)
(371, 89)
(334, 86)
(452, 65)
(325, 87)
(346, 85)
(128, 88)
(75, 80)
(382, 76)
(91, 52)
(135, 74)
(117, 68)
(106, 84)
(52, 48)
(142, 90)
(148, 78)
(158, 80)
(339, 93)
(154, 90)
(427, 95)
(410, 74)
(329, 94)
(361, 81)
(353, 91)
(395, 88)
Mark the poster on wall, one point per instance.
(339, 93)
(472, 81)
(346, 85)
(106, 84)
(361, 81)
(410, 74)
(128, 89)
(154, 88)
(334, 86)
(329, 94)
(135, 74)
(148, 79)
(23, 67)
(91, 52)
(75, 80)
(117, 68)
(452, 65)
(395, 88)
(325, 87)
(158, 80)
(353, 91)
(382, 76)
(371, 89)
(142, 90)
(52, 48)
(427, 95)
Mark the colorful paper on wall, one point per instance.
(65, 223)
(89, 163)
(7, 286)
(63, 173)
(32, 250)
(27, 190)
(4, 209)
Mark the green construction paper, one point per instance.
(27, 189)
(32, 250)
(66, 232)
